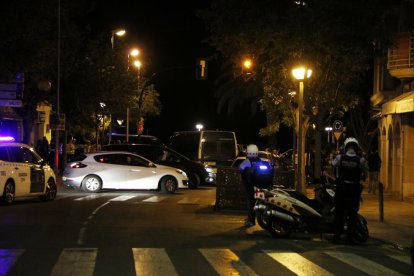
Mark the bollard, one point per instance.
(381, 201)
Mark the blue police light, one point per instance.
(7, 139)
(263, 167)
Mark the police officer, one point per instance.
(348, 190)
(247, 170)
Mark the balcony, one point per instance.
(401, 57)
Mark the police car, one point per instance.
(23, 173)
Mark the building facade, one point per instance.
(393, 97)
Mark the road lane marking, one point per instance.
(401, 258)
(225, 262)
(189, 200)
(154, 199)
(75, 261)
(153, 261)
(122, 198)
(89, 197)
(82, 231)
(297, 263)
(363, 264)
(7, 259)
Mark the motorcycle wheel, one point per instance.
(279, 228)
(262, 220)
(361, 230)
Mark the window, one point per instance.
(3, 154)
(22, 155)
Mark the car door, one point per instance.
(137, 172)
(30, 174)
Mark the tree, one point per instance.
(321, 34)
(29, 47)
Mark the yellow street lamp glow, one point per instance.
(301, 72)
(120, 32)
(116, 32)
(137, 64)
(134, 52)
(247, 64)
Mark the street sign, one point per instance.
(12, 103)
(338, 128)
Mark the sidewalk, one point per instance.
(397, 228)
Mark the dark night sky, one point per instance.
(170, 35)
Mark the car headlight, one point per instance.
(181, 172)
(209, 169)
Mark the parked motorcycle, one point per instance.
(281, 211)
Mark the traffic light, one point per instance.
(201, 69)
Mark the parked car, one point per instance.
(121, 170)
(118, 138)
(197, 173)
(24, 173)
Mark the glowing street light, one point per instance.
(199, 127)
(134, 52)
(137, 63)
(247, 66)
(116, 32)
(301, 73)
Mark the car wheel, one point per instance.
(194, 180)
(92, 184)
(8, 193)
(51, 191)
(168, 184)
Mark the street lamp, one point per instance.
(116, 32)
(199, 127)
(328, 129)
(247, 68)
(301, 73)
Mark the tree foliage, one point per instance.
(90, 71)
(337, 39)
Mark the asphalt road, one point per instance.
(149, 233)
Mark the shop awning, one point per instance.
(402, 104)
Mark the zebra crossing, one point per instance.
(222, 261)
(144, 198)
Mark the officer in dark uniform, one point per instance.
(246, 168)
(255, 173)
(348, 190)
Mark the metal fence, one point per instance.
(230, 194)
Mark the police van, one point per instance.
(23, 173)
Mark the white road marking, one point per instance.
(154, 199)
(75, 261)
(225, 262)
(89, 197)
(363, 264)
(122, 198)
(153, 261)
(297, 263)
(401, 258)
(188, 200)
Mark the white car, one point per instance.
(121, 170)
(23, 173)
